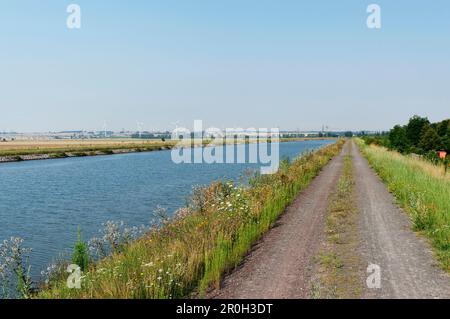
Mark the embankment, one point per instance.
(189, 254)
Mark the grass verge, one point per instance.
(339, 266)
(190, 253)
(422, 189)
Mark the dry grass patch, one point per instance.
(339, 265)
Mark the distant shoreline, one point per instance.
(49, 156)
(101, 151)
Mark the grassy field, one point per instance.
(189, 254)
(422, 189)
(60, 147)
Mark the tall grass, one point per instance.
(210, 236)
(423, 190)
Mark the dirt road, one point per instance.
(408, 268)
(281, 265)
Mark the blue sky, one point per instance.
(292, 64)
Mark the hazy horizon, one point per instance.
(289, 64)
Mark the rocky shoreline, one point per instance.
(36, 157)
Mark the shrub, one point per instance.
(80, 253)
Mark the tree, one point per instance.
(348, 134)
(442, 128)
(446, 142)
(398, 139)
(414, 129)
(430, 140)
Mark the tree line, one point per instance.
(419, 136)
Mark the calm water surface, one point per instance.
(45, 201)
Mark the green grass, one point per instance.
(190, 254)
(340, 266)
(422, 189)
(58, 155)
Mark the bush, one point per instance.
(432, 157)
(375, 140)
(80, 253)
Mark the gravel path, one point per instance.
(280, 265)
(408, 268)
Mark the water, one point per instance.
(44, 202)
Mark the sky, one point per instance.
(231, 63)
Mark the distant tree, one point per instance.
(430, 140)
(442, 128)
(398, 139)
(446, 142)
(348, 134)
(414, 129)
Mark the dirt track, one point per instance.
(281, 265)
(408, 268)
